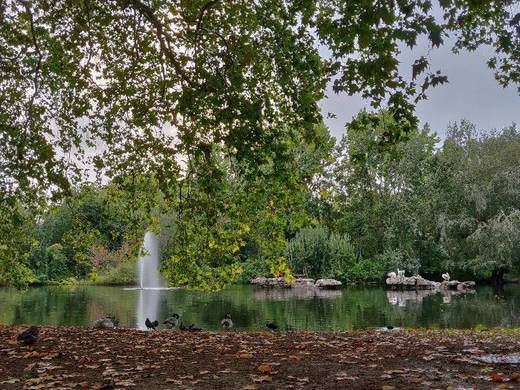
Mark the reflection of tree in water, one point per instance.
(350, 308)
(295, 293)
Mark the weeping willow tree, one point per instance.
(134, 87)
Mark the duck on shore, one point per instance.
(29, 336)
(172, 321)
(193, 328)
(151, 325)
(104, 323)
(227, 323)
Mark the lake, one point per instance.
(251, 308)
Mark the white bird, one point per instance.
(173, 321)
(446, 277)
(227, 323)
(391, 275)
(400, 273)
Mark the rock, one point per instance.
(270, 282)
(417, 282)
(328, 283)
(303, 282)
(104, 323)
(259, 281)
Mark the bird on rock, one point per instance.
(172, 321)
(227, 323)
(151, 325)
(29, 336)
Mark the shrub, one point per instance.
(308, 252)
(124, 274)
(253, 267)
(395, 259)
(58, 263)
(366, 271)
(316, 253)
(341, 258)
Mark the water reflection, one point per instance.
(148, 306)
(401, 297)
(250, 308)
(295, 293)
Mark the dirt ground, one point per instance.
(85, 358)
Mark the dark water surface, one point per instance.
(251, 308)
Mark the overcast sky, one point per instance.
(472, 93)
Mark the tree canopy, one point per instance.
(217, 104)
(134, 85)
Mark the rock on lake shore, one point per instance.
(298, 282)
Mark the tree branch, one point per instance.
(163, 36)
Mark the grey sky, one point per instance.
(472, 93)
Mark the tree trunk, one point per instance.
(497, 278)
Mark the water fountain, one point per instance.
(151, 282)
(149, 275)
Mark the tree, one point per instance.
(231, 217)
(382, 192)
(479, 221)
(131, 87)
(116, 74)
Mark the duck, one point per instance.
(227, 323)
(172, 321)
(446, 277)
(151, 325)
(29, 336)
(271, 325)
(193, 328)
(104, 323)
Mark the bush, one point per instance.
(395, 259)
(366, 271)
(252, 268)
(341, 258)
(308, 252)
(125, 274)
(57, 263)
(316, 253)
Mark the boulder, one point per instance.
(327, 283)
(270, 282)
(303, 282)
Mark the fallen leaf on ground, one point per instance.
(262, 378)
(265, 368)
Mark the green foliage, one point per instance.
(98, 85)
(367, 270)
(58, 263)
(317, 254)
(479, 223)
(308, 252)
(89, 234)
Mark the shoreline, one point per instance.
(71, 357)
